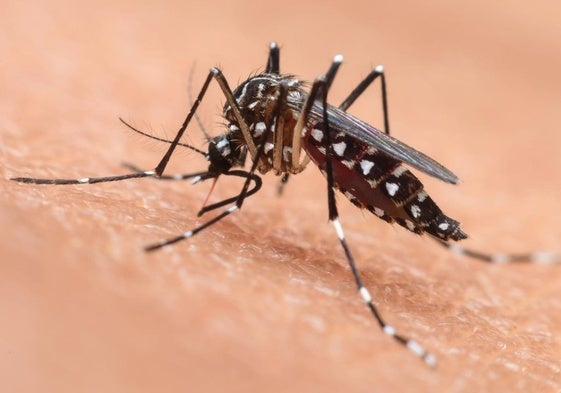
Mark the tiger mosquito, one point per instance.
(273, 119)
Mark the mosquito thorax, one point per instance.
(257, 99)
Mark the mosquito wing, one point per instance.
(350, 125)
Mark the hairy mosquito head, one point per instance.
(224, 153)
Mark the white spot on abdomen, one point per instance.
(339, 148)
(317, 134)
(392, 188)
(366, 166)
(416, 211)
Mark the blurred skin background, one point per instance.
(264, 300)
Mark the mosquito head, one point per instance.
(223, 154)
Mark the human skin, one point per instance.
(265, 299)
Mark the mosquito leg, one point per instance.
(197, 176)
(190, 95)
(161, 166)
(378, 71)
(307, 107)
(189, 234)
(538, 257)
(227, 91)
(245, 192)
(320, 89)
(252, 176)
(255, 151)
(261, 147)
(84, 180)
(238, 200)
(202, 176)
(165, 159)
(273, 67)
(273, 59)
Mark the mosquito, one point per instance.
(283, 127)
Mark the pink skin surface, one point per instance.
(264, 300)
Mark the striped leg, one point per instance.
(202, 176)
(189, 234)
(157, 172)
(273, 66)
(84, 180)
(319, 92)
(238, 200)
(378, 71)
(538, 257)
(197, 176)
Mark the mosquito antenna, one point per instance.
(162, 139)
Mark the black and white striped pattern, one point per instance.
(537, 257)
(84, 180)
(412, 345)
